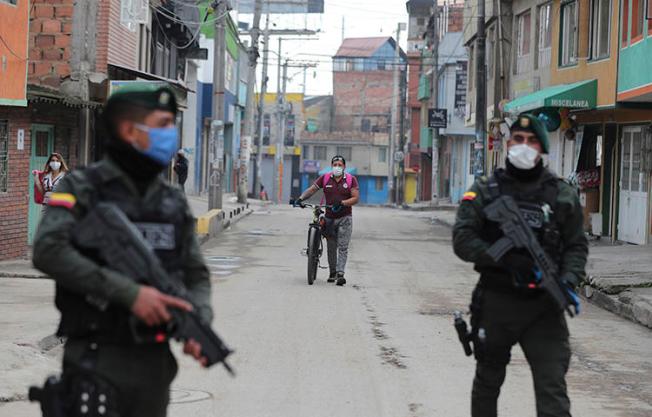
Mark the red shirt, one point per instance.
(336, 192)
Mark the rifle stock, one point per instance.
(119, 243)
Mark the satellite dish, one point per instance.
(550, 119)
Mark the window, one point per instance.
(638, 19)
(4, 154)
(306, 151)
(365, 125)
(600, 16)
(133, 12)
(290, 124)
(523, 42)
(9, 1)
(524, 23)
(544, 38)
(421, 21)
(569, 34)
(491, 42)
(345, 152)
(267, 121)
(320, 153)
(625, 23)
(381, 65)
(339, 64)
(382, 154)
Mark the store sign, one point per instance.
(437, 118)
(460, 89)
(310, 166)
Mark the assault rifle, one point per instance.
(518, 234)
(119, 243)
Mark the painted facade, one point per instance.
(14, 30)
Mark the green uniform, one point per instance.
(510, 313)
(141, 374)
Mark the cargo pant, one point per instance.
(141, 374)
(338, 246)
(540, 329)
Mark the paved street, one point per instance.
(383, 345)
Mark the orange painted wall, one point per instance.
(14, 28)
(605, 71)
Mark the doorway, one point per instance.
(633, 198)
(42, 146)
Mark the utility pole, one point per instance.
(394, 116)
(217, 126)
(280, 140)
(481, 94)
(261, 108)
(435, 102)
(250, 121)
(400, 180)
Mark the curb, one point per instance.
(625, 305)
(221, 220)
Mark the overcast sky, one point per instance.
(362, 18)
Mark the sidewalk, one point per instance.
(619, 276)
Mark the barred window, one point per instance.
(4, 155)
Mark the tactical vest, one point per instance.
(161, 223)
(538, 206)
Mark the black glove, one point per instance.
(337, 207)
(296, 202)
(570, 280)
(522, 268)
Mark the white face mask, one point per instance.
(55, 165)
(338, 171)
(523, 156)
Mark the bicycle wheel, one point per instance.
(313, 254)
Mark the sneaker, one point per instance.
(332, 277)
(340, 279)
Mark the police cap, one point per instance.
(527, 122)
(151, 96)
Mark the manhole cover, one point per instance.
(180, 396)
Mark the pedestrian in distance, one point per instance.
(181, 169)
(132, 376)
(508, 305)
(45, 181)
(263, 194)
(341, 192)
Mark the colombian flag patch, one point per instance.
(66, 200)
(469, 196)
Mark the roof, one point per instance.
(362, 47)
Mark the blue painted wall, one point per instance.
(204, 110)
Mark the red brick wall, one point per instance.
(15, 202)
(50, 36)
(414, 60)
(361, 93)
(102, 36)
(456, 19)
(122, 43)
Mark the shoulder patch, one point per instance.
(65, 200)
(469, 196)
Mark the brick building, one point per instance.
(70, 53)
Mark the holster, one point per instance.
(78, 393)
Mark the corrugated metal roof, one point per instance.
(361, 47)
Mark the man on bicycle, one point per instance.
(342, 192)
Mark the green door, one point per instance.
(42, 147)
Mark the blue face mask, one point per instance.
(163, 143)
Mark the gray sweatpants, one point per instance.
(338, 247)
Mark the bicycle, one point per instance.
(315, 246)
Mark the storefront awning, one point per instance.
(580, 95)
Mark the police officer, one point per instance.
(142, 141)
(507, 305)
